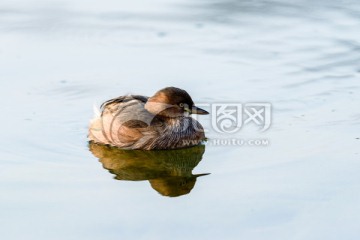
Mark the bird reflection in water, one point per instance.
(168, 171)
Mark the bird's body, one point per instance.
(139, 122)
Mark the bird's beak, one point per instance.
(201, 174)
(197, 110)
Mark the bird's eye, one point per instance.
(181, 105)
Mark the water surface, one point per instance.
(60, 58)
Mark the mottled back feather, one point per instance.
(125, 123)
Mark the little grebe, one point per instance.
(138, 122)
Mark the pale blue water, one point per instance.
(59, 58)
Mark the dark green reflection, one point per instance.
(168, 171)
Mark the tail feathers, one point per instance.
(97, 112)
